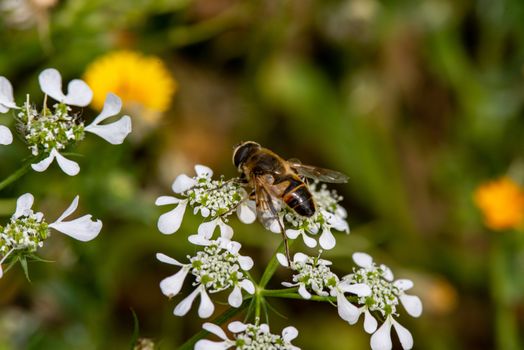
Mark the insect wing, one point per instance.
(320, 174)
(267, 206)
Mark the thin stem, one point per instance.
(228, 314)
(271, 267)
(15, 176)
(506, 322)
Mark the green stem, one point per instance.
(272, 266)
(228, 314)
(506, 323)
(15, 176)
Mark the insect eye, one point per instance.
(243, 152)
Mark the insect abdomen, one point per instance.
(298, 197)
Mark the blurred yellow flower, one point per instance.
(501, 203)
(143, 82)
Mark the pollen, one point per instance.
(501, 203)
(141, 81)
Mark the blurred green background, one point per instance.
(417, 101)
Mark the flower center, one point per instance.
(26, 232)
(216, 268)
(49, 129)
(314, 274)
(255, 338)
(217, 196)
(384, 295)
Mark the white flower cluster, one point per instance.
(28, 230)
(329, 215)
(385, 295)
(248, 337)
(214, 199)
(217, 267)
(49, 132)
(372, 287)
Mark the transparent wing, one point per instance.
(320, 174)
(267, 205)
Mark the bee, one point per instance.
(275, 181)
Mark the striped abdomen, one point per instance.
(298, 197)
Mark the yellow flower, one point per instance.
(501, 203)
(142, 82)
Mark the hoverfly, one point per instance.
(275, 181)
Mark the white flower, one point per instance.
(381, 339)
(78, 92)
(213, 199)
(312, 274)
(6, 137)
(385, 295)
(115, 132)
(27, 230)
(217, 267)
(248, 336)
(68, 166)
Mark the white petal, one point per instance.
(183, 183)
(362, 259)
(83, 229)
(203, 170)
(206, 307)
(205, 344)
(347, 311)
(235, 297)
(114, 133)
(293, 234)
(199, 240)
(289, 285)
(245, 262)
(308, 241)
(78, 93)
(403, 284)
(6, 137)
(303, 291)
(248, 286)
(232, 246)
(23, 204)
(44, 164)
(207, 228)
(300, 257)
(167, 259)
(226, 231)
(112, 106)
(360, 289)
(170, 222)
(216, 330)
(327, 240)
(246, 212)
(68, 166)
(273, 226)
(237, 327)
(205, 212)
(164, 200)
(387, 274)
(51, 83)
(172, 285)
(6, 95)
(405, 337)
(1, 271)
(370, 323)
(282, 259)
(289, 333)
(381, 339)
(183, 307)
(412, 304)
(70, 210)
